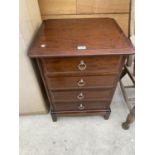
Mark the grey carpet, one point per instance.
(89, 135)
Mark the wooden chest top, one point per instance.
(80, 37)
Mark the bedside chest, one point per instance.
(80, 61)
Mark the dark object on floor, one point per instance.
(131, 116)
(130, 119)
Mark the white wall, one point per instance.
(31, 99)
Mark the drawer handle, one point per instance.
(81, 83)
(80, 96)
(81, 107)
(82, 66)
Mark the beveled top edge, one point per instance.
(37, 52)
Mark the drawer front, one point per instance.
(80, 82)
(81, 95)
(81, 106)
(81, 64)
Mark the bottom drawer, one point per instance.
(79, 106)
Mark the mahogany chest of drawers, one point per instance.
(80, 61)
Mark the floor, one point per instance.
(90, 135)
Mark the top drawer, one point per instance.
(81, 64)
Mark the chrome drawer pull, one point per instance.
(81, 107)
(80, 96)
(82, 66)
(81, 83)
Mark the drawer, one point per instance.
(80, 106)
(81, 64)
(81, 82)
(81, 95)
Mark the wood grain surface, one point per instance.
(57, 7)
(61, 37)
(102, 6)
(104, 64)
(74, 82)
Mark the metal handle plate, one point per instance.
(81, 83)
(80, 96)
(82, 66)
(81, 107)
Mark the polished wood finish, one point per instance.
(80, 81)
(103, 112)
(86, 106)
(121, 18)
(106, 64)
(81, 95)
(55, 41)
